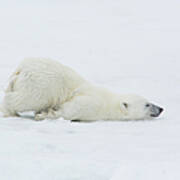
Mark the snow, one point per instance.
(128, 46)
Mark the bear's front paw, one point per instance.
(40, 116)
(52, 114)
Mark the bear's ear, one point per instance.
(125, 104)
(124, 107)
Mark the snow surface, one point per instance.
(128, 46)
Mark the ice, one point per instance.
(128, 46)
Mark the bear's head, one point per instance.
(135, 108)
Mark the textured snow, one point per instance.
(128, 46)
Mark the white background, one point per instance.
(129, 46)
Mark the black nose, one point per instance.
(161, 110)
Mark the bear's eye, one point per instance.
(125, 105)
(147, 105)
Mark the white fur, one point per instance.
(53, 90)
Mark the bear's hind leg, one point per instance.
(7, 107)
(7, 112)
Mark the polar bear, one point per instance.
(52, 90)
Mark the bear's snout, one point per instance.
(156, 110)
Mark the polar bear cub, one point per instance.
(52, 90)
